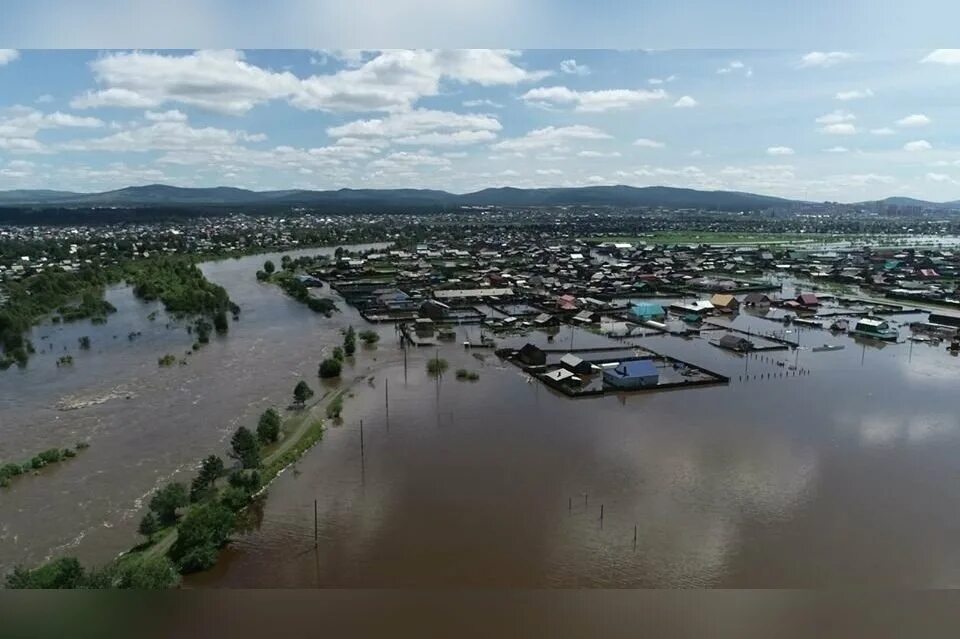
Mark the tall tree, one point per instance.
(244, 448)
(166, 501)
(301, 393)
(268, 428)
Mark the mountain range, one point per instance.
(161, 195)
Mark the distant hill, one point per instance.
(376, 199)
(914, 202)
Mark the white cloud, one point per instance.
(914, 120)
(735, 66)
(917, 145)
(164, 135)
(824, 59)
(685, 102)
(591, 101)
(173, 115)
(472, 104)
(598, 154)
(8, 55)
(550, 137)
(943, 56)
(779, 150)
(837, 149)
(835, 117)
(941, 177)
(855, 94)
(571, 67)
(406, 162)
(647, 143)
(20, 125)
(423, 127)
(224, 82)
(549, 172)
(882, 131)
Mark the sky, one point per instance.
(818, 124)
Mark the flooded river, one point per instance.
(846, 476)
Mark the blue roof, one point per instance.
(637, 368)
(647, 308)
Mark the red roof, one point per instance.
(808, 299)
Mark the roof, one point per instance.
(808, 298)
(559, 375)
(876, 323)
(472, 292)
(753, 298)
(733, 340)
(721, 299)
(636, 368)
(571, 360)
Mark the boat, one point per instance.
(875, 328)
(827, 347)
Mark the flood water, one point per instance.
(846, 476)
(145, 425)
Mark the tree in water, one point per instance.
(301, 393)
(350, 342)
(268, 267)
(244, 448)
(210, 469)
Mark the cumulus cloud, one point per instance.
(224, 82)
(685, 102)
(550, 137)
(736, 66)
(8, 55)
(647, 143)
(423, 127)
(573, 68)
(882, 131)
(655, 81)
(779, 150)
(943, 56)
(598, 154)
(20, 125)
(914, 120)
(472, 104)
(591, 101)
(164, 135)
(824, 58)
(854, 94)
(173, 115)
(837, 149)
(917, 145)
(837, 122)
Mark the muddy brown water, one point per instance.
(846, 476)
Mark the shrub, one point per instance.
(369, 337)
(437, 365)
(330, 367)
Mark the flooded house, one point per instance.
(575, 364)
(640, 373)
(756, 300)
(725, 302)
(647, 311)
(876, 328)
(531, 355)
(736, 343)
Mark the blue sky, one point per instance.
(821, 124)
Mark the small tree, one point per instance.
(148, 525)
(244, 448)
(269, 267)
(200, 535)
(210, 469)
(301, 393)
(350, 342)
(166, 501)
(369, 337)
(337, 354)
(268, 428)
(330, 367)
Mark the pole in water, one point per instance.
(601, 511)
(586, 499)
(634, 536)
(386, 393)
(314, 523)
(361, 438)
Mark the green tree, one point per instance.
(62, 573)
(268, 267)
(268, 428)
(244, 448)
(337, 354)
(369, 337)
(350, 342)
(210, 469)
(330, 367)
(136, 573)
(200, 535)
(301, 393)
(166, 501)
(148, 525)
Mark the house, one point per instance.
(808, 300)
(756, 300)
(735, 343)
(546, 319)
(423, 326)
(567, 303)
(698, 307)
(575, 365)
(562, 375)
(531, 355)
(877, 328)
(434, 310)
(638, 373)
(725, 302)
(587, 317)
(647, 311)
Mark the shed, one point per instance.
(546, 319)
(735, 343)
(725, 301)
(756, 299)
(587, 317)
(638, 373)
(575, 365)
(808, 299)
(562, 375)
(434, 309)
(532, 355)
(647, 311)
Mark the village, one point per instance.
(574, 313)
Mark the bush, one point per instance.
(464, 374)
(437, 365)
(301, 393)
(335, 407)
(148, 525)
(65, 572)
(330, 367)
(167, 360)
(369, 337)
(167, 500)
